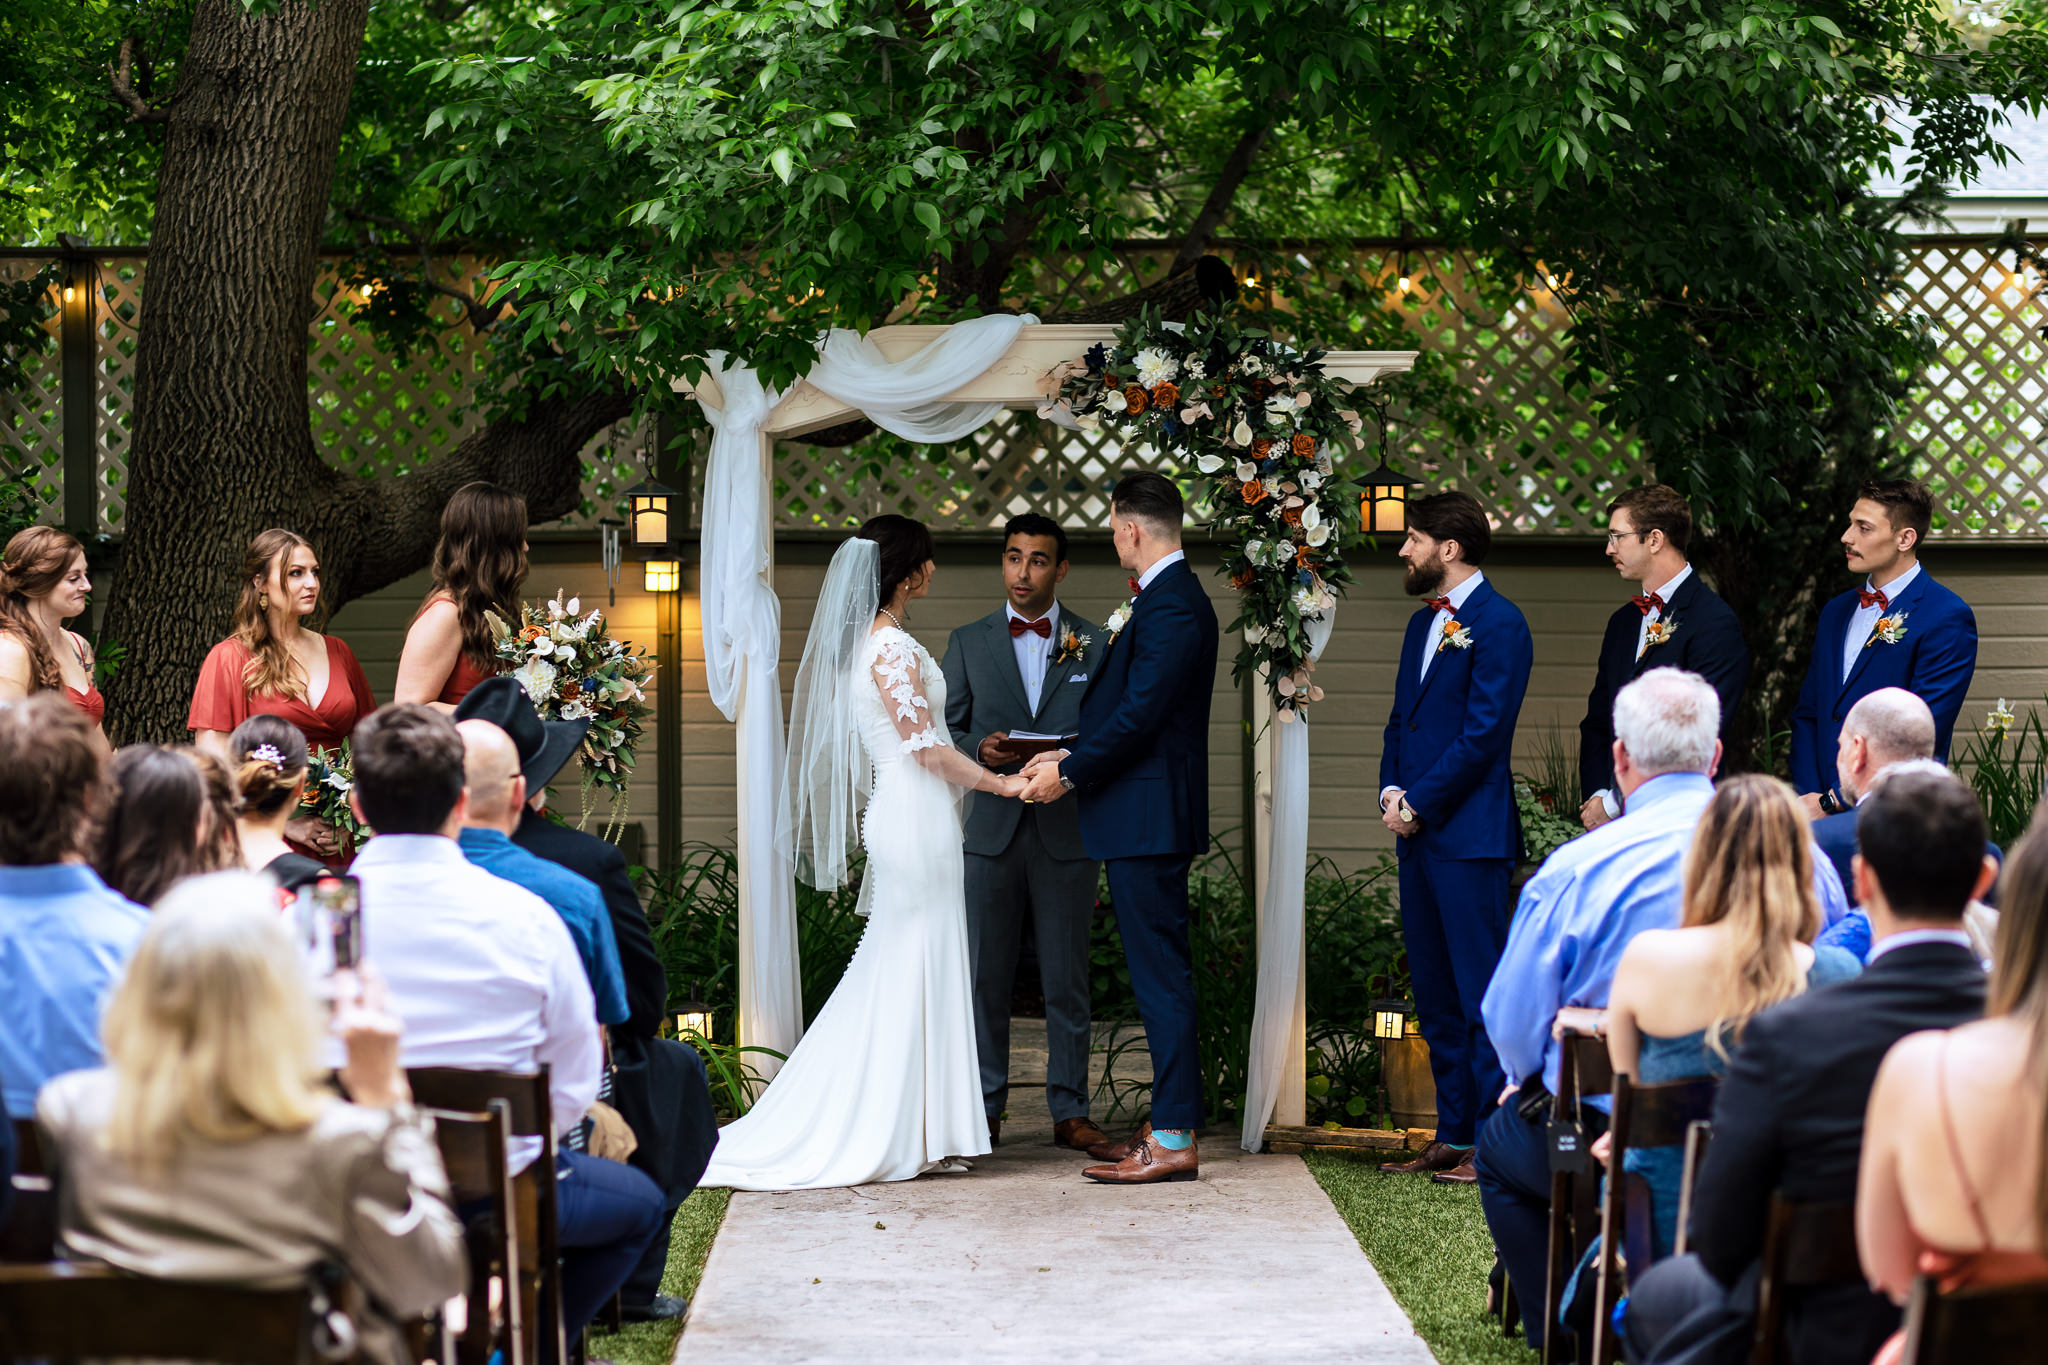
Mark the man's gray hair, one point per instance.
(1668, 720)
(1895, 724)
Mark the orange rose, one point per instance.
(1135, 400)
(1243, 580)
(531, 633)
(1166, 393)
(571, 691)
(1254, 492)
(1261, 448)
(1218, 390)
(1292, 516)
(1304, 445)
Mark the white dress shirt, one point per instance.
(1864, 619)
(482, 972)
(1609, 802)
(1034, 652)
(1145, 578)
(1458, 595)
(1912, 936)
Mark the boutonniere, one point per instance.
(1889, 630)
(1120, 618)
(1457, 635)
(1659, 633)
(1073, 645)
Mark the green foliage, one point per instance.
(1548, 820)
(2007, 761)
(19, 505)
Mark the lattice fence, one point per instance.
(1546, 464)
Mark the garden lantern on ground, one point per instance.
(694, 1019)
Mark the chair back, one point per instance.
(63, 1311)
(1697, 1135)
(1643, 1116)
(1805, 1246)
(28, 1147)
(479, 1177)
(1582, 1070)
(1975, 1326)
(29, 1236)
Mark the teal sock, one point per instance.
(1459, 1146)
(1174, 1139)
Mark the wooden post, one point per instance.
(78, 355)
(668, 663)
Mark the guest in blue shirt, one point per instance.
(64, 936)
(497, 796)
(1575, 918)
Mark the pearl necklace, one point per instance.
(892, 617)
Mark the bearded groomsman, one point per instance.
(1025, 668)
(1900, 629)
(1447, 796)
(1677, 621)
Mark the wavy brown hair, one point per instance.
(2019, 975)
(271, 667)
(31, 567)
(1751, 868)
(149, 838)
(480, 563)
(264, 784)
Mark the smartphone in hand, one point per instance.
(339, 901)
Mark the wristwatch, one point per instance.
(1066, 783)
(1830, 804)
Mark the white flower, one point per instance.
(1156, 366)
(1279, 407)
(1306, 601)
(1318, 535)
(1254, 633)
(578, 709)
(1311, 480)
(1118, 619)
(574, 604)
(338, 782)
(1209, 464)
(537, 676)
(1242, 432)
(1311, 517)
(1250, 364)
(1088, 421)
(2001, 718)
(1113, 401)
(1246, 471)
(1194, 368)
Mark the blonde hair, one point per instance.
(1751, 868)
(212, 1033)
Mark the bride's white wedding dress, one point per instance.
(885, 1084)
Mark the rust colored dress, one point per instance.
(464, 677)
(221, 701)
(89, 701)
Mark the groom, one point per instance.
(1141, 773)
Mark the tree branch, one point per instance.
(121, 77)
(1216, 207)
(480, 316)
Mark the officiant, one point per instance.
(1014, 681)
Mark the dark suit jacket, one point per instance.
(1836, 835)
(1449, 736)
(601, 862)
(985, 693)
(1789, 1118)
(1141, 766)
(1706, 638)
(1934, 661)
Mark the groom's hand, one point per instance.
(1039, 760)
(1042, 783)
(1390, 815)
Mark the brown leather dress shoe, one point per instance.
(1460, 1174)
(1080, 1134)
(1437, 1156)
(1117, 1151)
(1150, 1164)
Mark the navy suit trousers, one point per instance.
(1151, 900)
(1454, 919)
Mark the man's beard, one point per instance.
(1424, 578)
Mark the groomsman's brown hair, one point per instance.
(1906, 502)
(1657, 507)
(1454, 516)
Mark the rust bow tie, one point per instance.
(1648, 602)
(1042, 628)
(1872, 597)
(1442, 604)
(1136, 586)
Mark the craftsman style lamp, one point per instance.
(664, 575)
(649, 505)
(1389, 1025)
(1383, 506)
(694, 1020)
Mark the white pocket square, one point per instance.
(1078, 677)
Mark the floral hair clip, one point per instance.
(269, 754)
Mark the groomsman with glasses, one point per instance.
(1676, 621)
(1899, 629)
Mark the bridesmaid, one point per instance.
(43, 584)
(479, 566)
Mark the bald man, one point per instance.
(497, 796)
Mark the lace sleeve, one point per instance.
(899, 677)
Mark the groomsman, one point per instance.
(1900, 629)
(1025, 668)
(1677, 621)
(1447, 796)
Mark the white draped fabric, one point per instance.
(1283, 982)
(743, 619)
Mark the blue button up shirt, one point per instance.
(65, 938)
(576, 899)
(1584, 905)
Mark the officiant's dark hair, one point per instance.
(905, 545)
(1454, 516)
(1036, 524)
(1150, 498)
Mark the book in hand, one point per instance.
(1025, 744)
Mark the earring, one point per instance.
(264, 603)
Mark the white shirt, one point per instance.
(1609, 802)
(1145, 578)
(1864, 619)
(1458, 596)
(482, 972)
(1913, 936)
(1034, 651)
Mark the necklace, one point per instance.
(892, 617)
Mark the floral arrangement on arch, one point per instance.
(574, 669)
(1256, 428)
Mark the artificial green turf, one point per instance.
(1429, 1243)
(654, 1343)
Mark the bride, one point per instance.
(885, 1085)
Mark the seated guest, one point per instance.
(486, 977)
(220, 834)
(1952, 1171)
(1789, 1117)
(64, 934)
(269, 757)
(1682, 997)
(156, 827)
(1580, 911)
(208, 1148)
(497, 796)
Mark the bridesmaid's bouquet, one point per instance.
(330, 776)
(574, 669)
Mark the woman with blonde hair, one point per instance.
(43, 584)
(1749, 916)
(208, 1149)
(479, 566)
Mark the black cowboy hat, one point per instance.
(544, 745)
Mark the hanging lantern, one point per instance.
(1383, 505)
(649, 507)
(695, 1017)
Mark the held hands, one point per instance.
(1012, 787)
(1045, 757)
(1043, 778)
(314, 833)
(1390, 815)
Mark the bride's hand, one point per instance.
(1012, 787)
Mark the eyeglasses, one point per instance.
(1614, 537)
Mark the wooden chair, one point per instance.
(1697, 1135)
(1806, 1246)
(28, 1148)
(539, 1281)
(29, 1236)
(1583, 1070)
(473, 1153)
(1642, 1116)
(1975, 1326)
(64, 1311)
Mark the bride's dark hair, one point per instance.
(905, 547)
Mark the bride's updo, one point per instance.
(905, 546)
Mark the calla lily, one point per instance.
(1195, 413)
(1209, 464)
(1242, 432)
(1246, 471)
(1318, 536)
(1311, 517)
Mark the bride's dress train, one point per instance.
(885, 1084)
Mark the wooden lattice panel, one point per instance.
(31, 414)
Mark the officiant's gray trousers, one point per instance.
(1059, 893)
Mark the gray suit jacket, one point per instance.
(985, 693)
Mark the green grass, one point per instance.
(1430, 1244)
(654, 1343)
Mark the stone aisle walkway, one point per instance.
(1024, 1261)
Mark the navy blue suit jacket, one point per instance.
(1706, 638)
(1836, 836)
(1934, 662)
(1450, 735)
(1141, 766)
